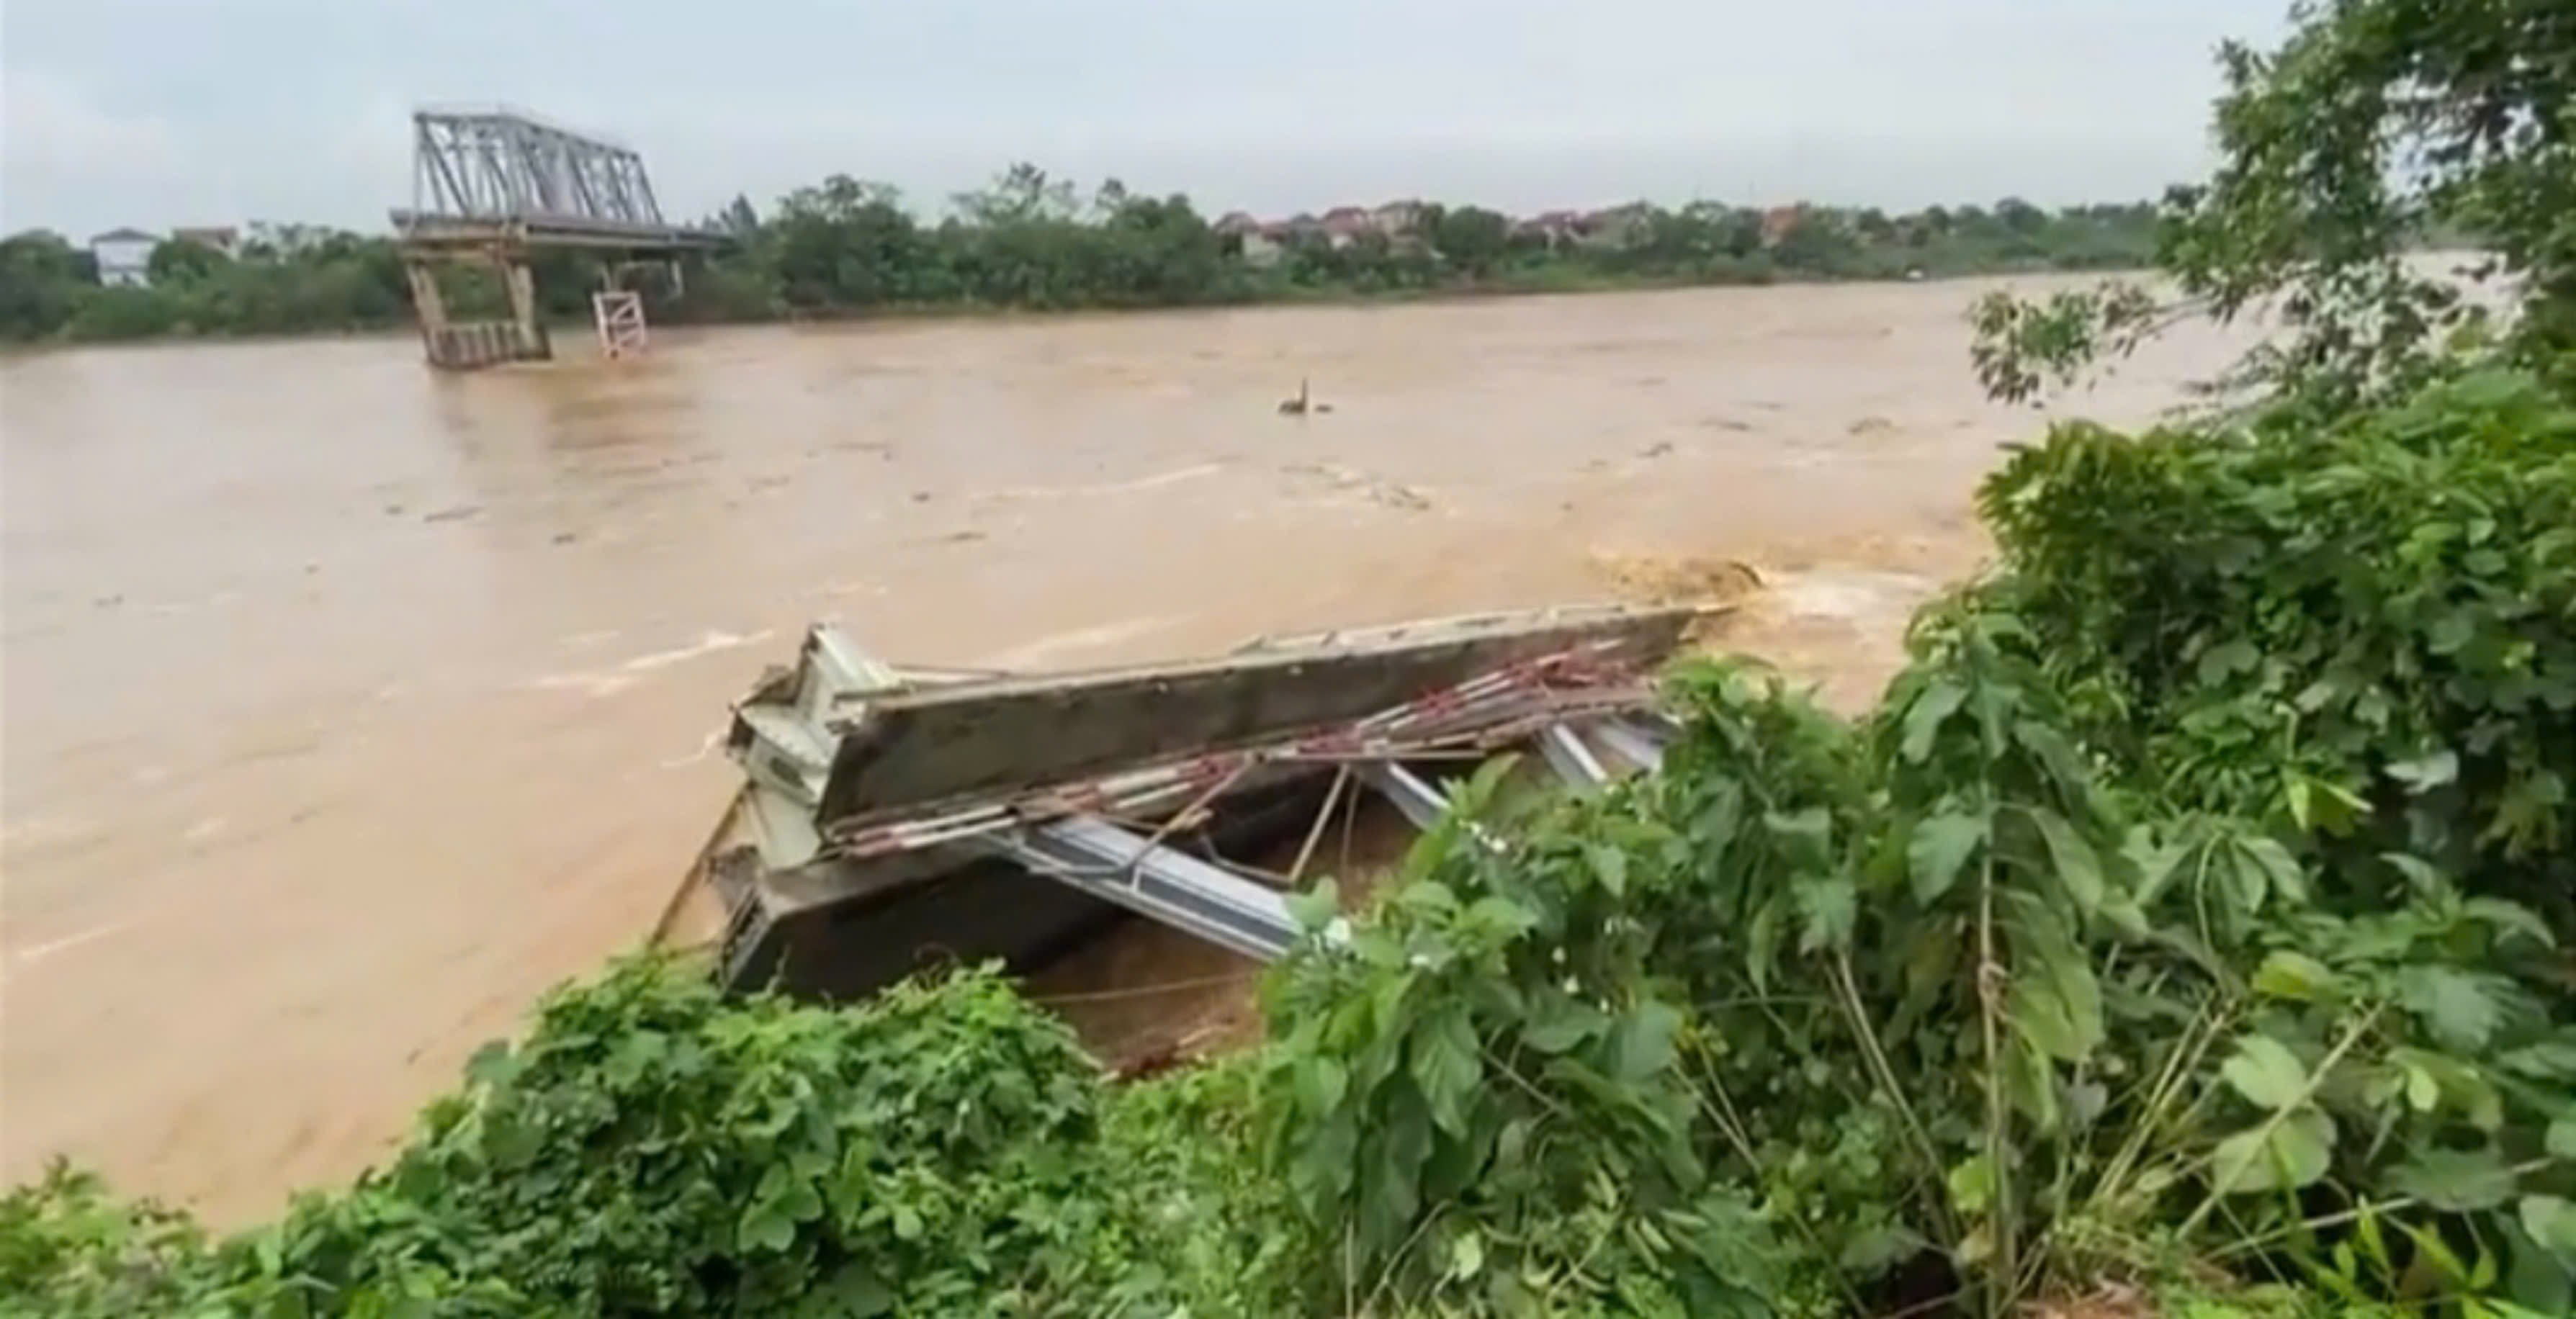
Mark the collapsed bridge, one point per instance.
(492, 186)
(895, 816)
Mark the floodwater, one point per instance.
(348, 706)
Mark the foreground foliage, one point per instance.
(654, 1149)
(2197, 901)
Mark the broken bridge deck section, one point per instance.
(889, 812)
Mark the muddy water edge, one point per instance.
(348, 706)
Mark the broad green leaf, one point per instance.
(1315, 908)
(1610, 867)
(1938, 848)
(2295, 1153)
(511, 1142)
(2455, 1180)
(1567, 1023)
(2422, 1091)
(1924, 718)
(856, 1292)
(2426, 773)
(2057, 1006)
(1502, 916)
(2077, 866)
(1641, 1045)
(2511, 920)
(1972, 1184)
(2280, 870)
(1808, 833)
(2456, 1005)
(1466, 1255)
(764, 1228)
(2551, 1221)
(2419, 873)
(2561, 1140)
(491, 1065)
(2463, 1087)
(1827, 909)
(2286, 974)
(1876, 1250)
(2065, 766)
(1319, 1083)
(2265, 1071)
(2228, 657)
(1447, 1064)
(2553, 1060)
(2451, 632)
(2030, 1084)
(2157, 861)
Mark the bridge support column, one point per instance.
(522, 281)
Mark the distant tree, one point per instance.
(1020, 194)
(1471, 239)
(1822, 243)
(179, 261)
(2020, 216)
(42, 281)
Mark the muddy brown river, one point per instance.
(349, 706)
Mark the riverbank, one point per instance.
(1540, 281)
(847, 248)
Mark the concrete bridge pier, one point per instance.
(464, 345)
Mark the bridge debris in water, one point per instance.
(894, 818)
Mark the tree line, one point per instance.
(1030, 240)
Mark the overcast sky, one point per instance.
(163, 112)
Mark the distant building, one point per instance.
(1343, 225)
(1781, 221)
(1250, 238)
(1554, 228)
(124, 257)
(1398, 218)
(215, 238)
(1618, 226)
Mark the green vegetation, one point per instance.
(2193, 915)
(846, 248)
(2378, 126)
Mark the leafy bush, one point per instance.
(2050, 970)
(652, 1148)
(2361, 635)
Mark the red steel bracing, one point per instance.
(1482, 712)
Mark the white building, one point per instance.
(124, 256)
